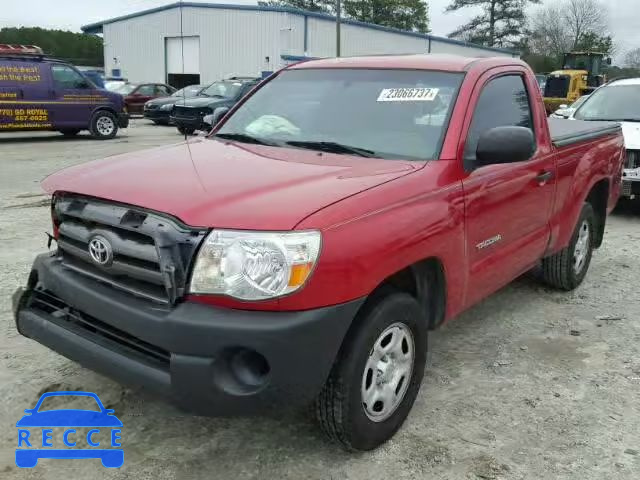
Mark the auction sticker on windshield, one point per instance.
(407, 94)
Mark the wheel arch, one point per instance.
(424, 280)
(598, 197)
(99, 108)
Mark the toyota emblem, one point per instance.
(100, 250)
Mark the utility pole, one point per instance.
(338, 14)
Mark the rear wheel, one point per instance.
(377, 375)
(104, 125)
(71, 132)
(186, 130)
(566, 269)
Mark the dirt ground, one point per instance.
(530, 384)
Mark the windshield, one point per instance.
(615, 102)
(222, 89)
(557, 86)
(190, 91)
(125, 89)
(578, 102)
(399, 114)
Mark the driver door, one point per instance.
(73, 96)
(140, 96)
(508, 205)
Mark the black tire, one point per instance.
(186, 130)
(339, 408)
(560, 270)
(104, 125)
(71, 132)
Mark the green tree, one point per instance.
(403, 14)
(501, 24)
(410, 15)
(323, 6)
(77, 48)
(592, 42)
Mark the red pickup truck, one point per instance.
(302, 252)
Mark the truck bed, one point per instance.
(567, 132)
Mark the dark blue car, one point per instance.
(68, 418)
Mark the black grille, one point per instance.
(151, 254)
(633, 159)
(65, 316)
(191, 112)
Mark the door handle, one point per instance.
(544, 177)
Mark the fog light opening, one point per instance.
(241, 371)
(249, 367)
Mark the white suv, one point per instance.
(619, 100)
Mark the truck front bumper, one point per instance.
(195, 123)
(208, 360)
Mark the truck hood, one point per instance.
(202, 101)
(163, 100)
(214, 183)
(631, 132)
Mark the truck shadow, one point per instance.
(53, 137)
(627, 208)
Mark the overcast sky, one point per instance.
(71, 14)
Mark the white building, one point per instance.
(199, 43)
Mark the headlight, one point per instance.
(167, 106)
(254, 265)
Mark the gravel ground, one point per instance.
(529, 384)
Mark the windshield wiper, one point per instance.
(333, 147)
(244, 138)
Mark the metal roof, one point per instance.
(95, 28)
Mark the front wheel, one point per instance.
(566, 269)
(377, 375)
(104, 125)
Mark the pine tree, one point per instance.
(500, 25)
(403, 14)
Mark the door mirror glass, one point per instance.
(505, 145)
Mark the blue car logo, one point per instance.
(36, 434)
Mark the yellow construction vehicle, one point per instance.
(581, 73)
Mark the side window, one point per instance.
(66, 77)
(503, 102)
(146, 91)
(162, 91)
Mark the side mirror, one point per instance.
(109, 411)
(213, 118)
(505, 145)
(609, 61)
(563, 106)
